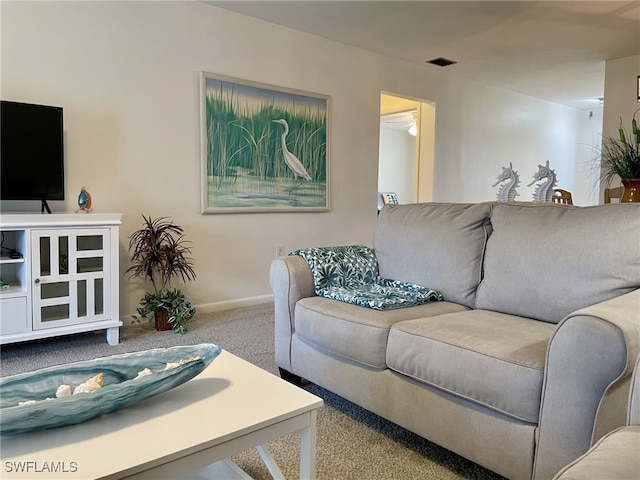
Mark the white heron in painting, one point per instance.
(290, 159)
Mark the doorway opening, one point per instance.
(406, 150)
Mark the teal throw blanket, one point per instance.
(350, 274)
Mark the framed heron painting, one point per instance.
(263, 148)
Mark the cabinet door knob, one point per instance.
(36, 281)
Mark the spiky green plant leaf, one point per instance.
(621, 156)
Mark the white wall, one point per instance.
(479, 131)
(397, 164)
(126, 74)
(621, 93)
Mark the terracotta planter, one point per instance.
(161, 317)
(631, 190)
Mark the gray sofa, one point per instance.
(526, 361)
(616, 456)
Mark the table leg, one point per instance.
(269, 461)
(308, 449)
(307, 452)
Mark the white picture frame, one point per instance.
(248, 164)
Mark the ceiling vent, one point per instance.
(441, 62)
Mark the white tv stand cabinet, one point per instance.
(60, 275)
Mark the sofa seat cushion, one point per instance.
(491, 358)
(354, 332)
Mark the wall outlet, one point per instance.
(279, 250)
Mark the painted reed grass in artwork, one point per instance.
(243, 140)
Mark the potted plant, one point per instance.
(620, 157)
(160, 255)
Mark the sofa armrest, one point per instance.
(291, 280)
(588, 369)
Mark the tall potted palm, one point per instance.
(620, 157)
(161, 254)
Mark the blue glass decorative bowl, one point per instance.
(120, 387)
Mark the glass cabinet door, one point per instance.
(68, 270)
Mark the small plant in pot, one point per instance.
(161, 254)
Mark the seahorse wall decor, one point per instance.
(507, 191)
(544, 191)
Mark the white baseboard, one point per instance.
(231, 304)
(221, 306)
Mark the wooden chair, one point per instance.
(610, 193)
(562, 196)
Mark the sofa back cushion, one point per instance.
(436, 245)
(545, 261)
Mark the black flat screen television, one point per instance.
(31, 152)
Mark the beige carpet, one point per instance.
(352, 444)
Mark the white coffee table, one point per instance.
(189, 431)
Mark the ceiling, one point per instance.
(554, 50)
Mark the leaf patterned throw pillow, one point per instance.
(340, 266)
